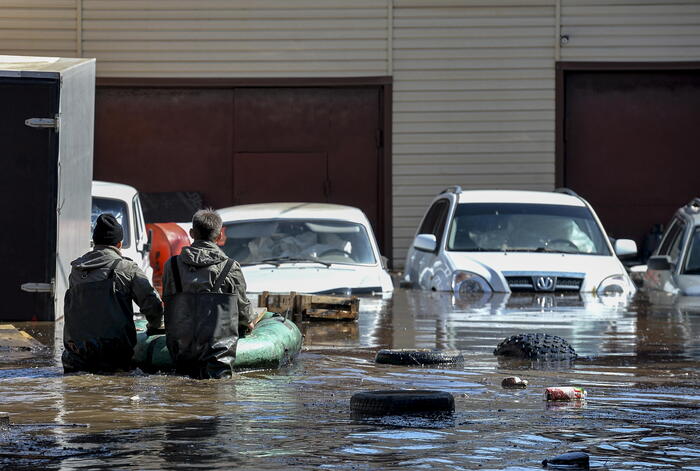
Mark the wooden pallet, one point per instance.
(312, 306)
(10, 337)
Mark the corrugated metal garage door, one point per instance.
(630, 141)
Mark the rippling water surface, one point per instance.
(640, 366)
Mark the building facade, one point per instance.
(383, 103)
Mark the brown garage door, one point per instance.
(238, 145)
(630, 142)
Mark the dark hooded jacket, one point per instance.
(83, 342)
(200, 265)
(203, 313)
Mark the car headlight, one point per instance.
(614, 285)
(466, 282)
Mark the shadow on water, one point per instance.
(640, 365)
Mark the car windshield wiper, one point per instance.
(278, 260)
(538, 249)
(260, 262)
(479, 249)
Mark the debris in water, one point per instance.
(564, 394)
(571, 460)
(135, 398)
(514, 382)
(4, 421)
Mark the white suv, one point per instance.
(509, 241)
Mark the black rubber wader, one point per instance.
(99, 333)
(201, 329)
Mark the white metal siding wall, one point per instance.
(474, 79)
(473, 101)
(38, 27)
(236, 38)
(631, 30)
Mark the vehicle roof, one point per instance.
(293, 211)
(35, 66)
(519, 196)
(113, 190)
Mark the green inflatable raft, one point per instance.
(273, 343)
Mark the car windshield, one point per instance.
(692, 266)
(520, 227)
(287, 240)
(117, 208)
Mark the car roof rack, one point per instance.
(566, 191)
(694, 205)
(452, 189)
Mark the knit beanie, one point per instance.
(107, 231)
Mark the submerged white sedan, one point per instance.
(305, 247)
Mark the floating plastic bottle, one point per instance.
(564, 394)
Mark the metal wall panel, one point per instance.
(77, 111)
(274, 38)
(473, 101)
(630, 30)
(39, 27)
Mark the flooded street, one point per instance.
(640, 365)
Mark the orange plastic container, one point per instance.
(167, 240)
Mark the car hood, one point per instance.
(492, 264)
(314, 278)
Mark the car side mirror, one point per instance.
(149, 241)
(625, 248)
(384, 262)
(659, 262)
(425, 242)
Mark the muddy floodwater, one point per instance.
(640, 366)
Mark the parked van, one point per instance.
(122, 201)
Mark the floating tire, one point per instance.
(536, 347)
(418, 357)
(399, 402)
(571, 460)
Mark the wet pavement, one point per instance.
(640, 366)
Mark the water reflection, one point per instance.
(640, 366)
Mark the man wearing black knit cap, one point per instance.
(99, 333)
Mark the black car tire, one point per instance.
(536, 347)
(396, 402)
(418, 357)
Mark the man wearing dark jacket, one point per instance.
(205, 303)
(99, 333)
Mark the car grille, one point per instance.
(544, 282)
